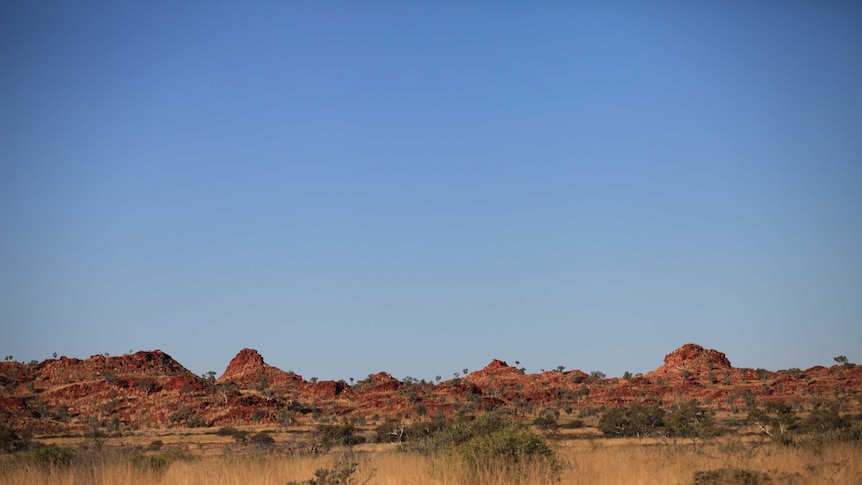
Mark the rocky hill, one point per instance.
(151, 389)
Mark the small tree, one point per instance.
(209, 377)
(636, 420)
(547, 420)
(262, 440)
(776, 420)
(340, 434)
(691, 421)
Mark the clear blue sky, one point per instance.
(420, 187)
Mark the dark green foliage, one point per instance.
(48, 456)
(573, 424)
(730, 476)
(157, 462)
(547, 420)
(226, 431)
(488, 441)
(394, 431)
(777, 420)
(825, 425)
(97, 435)
(342, 472)
(690, 421)
(587, 412)
(512, 443)
(635, 420)
(340, 434)
(240, 436)
(262, 440)
(10, 442)
(825, 419)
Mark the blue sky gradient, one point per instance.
(420, 188)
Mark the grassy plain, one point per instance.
(203, 458)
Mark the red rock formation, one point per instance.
(693, 356)
(152, 389)
(248, 371)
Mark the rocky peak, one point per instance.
(496, 364)
(246, 361)
(696, 354)
(693, 356)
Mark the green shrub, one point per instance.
(340, 434)
(547, 420)
(226, 431)
(10, 442)
(342, 472)
(49, 456)
(573, 424)
(391, 431)
(514, 443)
(587, 412)
(238, 435)
(491, 443)
(730, 476)
(262, 439)
(691, 421)
(635, 420)
(158, 463)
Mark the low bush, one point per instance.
(635, 420)
(262, 440)
(238, 435)
(10, 442)
(47, 456)
(342, 472)
(491, 443)
(158, 463)
(344, 434)
(730, 476)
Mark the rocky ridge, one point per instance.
(151, 389)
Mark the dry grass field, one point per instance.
(208, 460)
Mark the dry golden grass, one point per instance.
(594, 462)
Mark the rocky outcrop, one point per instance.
(247, 370)
(154, 390)
(694, 357)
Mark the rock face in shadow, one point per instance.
(151, 389)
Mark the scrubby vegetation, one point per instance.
(775, 443)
